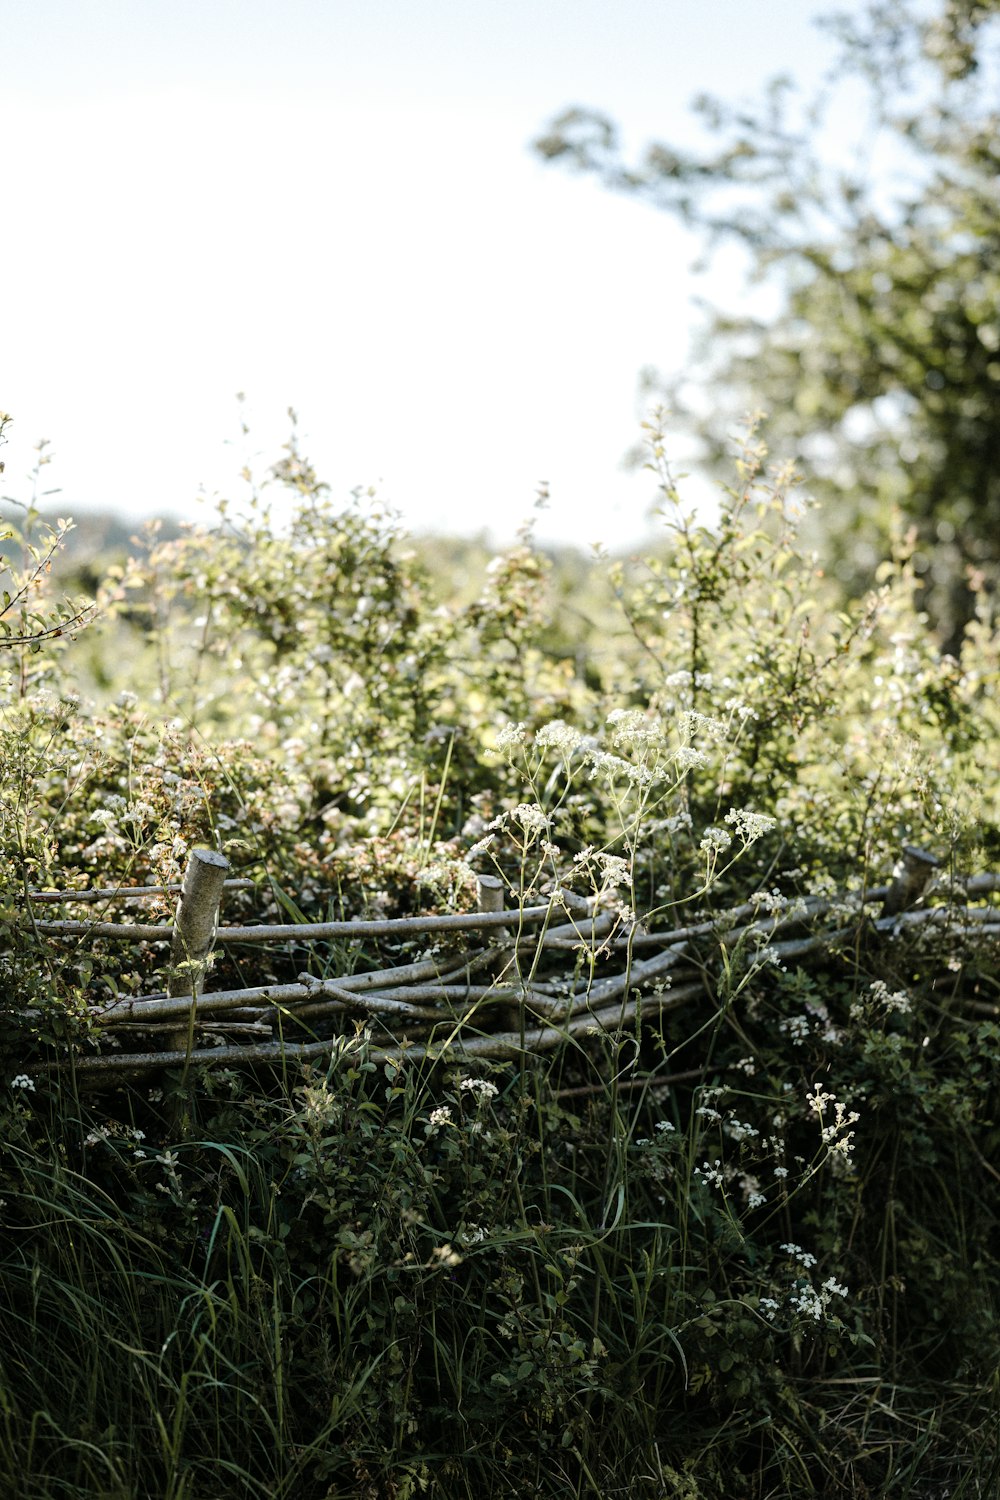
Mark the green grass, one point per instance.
(321, 1295)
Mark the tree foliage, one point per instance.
(882, 364)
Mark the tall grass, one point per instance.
(320, 1291)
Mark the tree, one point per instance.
(882, 364)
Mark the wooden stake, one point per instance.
(909, 880)
(194, 932)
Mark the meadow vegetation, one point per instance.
(739, 1248)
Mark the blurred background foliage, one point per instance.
(877, 356)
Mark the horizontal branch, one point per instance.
(501, 1045)
(128, 892)
(307, 932)
(139, 1007)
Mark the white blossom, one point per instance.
(750, 825)
(510, 735)
(482, 1088)
(614, 869)
(634, 727)
(559, 736)
(897, 1000)
(797, 1253)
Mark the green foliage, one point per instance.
(881, 366)
(28, 618)
(726, 1254)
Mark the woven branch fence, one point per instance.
(523, 980)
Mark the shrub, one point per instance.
(730, 1247)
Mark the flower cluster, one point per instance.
(834, 1132)
(481, 1089)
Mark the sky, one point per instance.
(334, 207)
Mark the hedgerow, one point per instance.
(740, 1245)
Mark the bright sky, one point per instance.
(333, 206)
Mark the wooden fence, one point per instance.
(499, 982)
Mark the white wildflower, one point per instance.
(138, 812)
(696, 725)
(614, 869)
(750, 825)
(510, 735)
(530, 815)
(806, 1301)
(615, 768)
(797, 1253)
(740, 709)
(481, 1088)
(796, 1028)
(714, 841)
(769, 901)
(559, 736)
(752, 1191)
(712, 1175)
(833, 1133)
(632, 727)
(769, 955)
(897, 1000)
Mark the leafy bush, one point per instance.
(733, 1246)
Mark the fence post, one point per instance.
(909, 878)
(490, 890)
(194, 932)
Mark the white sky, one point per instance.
(333, 206)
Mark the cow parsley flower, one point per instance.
(897, 1000)
(509, 736)
(750, 825)
(482, 1089)
(559, 736)
(797, 1253)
